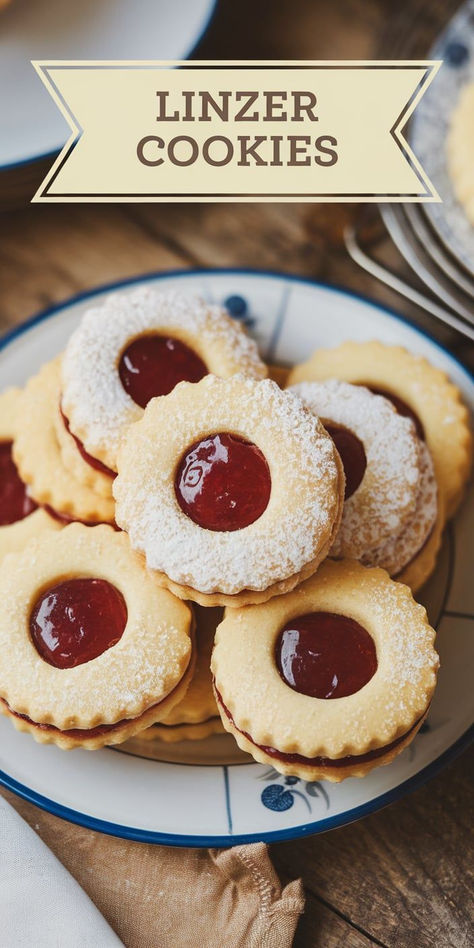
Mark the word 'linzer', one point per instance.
(239, 106)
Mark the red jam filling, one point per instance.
(223, 483)
(350, 759)
(76, 621)
(324, 655)
(402, 408)
(352, 454)
(77, 731)
(72, 732)
(152, 365)
(93, 462)
(14, 501)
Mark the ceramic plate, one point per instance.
(32, 126)
(430, 127)
(208, 793)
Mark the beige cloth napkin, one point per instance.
(167, 898)
(229, 897)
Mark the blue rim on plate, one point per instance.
(304, 829)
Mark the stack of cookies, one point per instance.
(154, 476)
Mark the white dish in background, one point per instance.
(207, 793)
(31, 125)
(430, 126)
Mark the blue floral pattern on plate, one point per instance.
(237, 307)
(281, 796)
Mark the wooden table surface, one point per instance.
(402, 877)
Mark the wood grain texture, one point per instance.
(402, 877)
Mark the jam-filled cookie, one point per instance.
(139, 345)
(93, 649)
(422, 533)
(419, 568)
(38, 457)
(391, 495)
(331, 680)
(20, 517)
(196, 716)
(231, 489)
(84, 468)
(418, 390)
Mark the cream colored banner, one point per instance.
(312, 131)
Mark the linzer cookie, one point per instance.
(390, 503)
(20, 517)
(400, 552)
(231, 489)
(84, 468)
(419, 568)
(38, 456)
(196, 716)
(94, 650)
(330, 680)
(418, 390)
(137, 346)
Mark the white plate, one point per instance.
(207, 793)
(430, 126)
(31, 125)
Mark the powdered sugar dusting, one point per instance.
(305, 498)
(386, 496)
(98, 407)
(408, 662)
(402, 548)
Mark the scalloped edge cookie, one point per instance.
(97, 406)
(427, 389)
(385, 500)
(254, 699)
(37, 454)
(419, 569)
(132, 684)
(287, 541)
(81, 471)
(331, 774)
(14, 536)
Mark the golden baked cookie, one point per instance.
(93, 649)
(196, 716)
(402, 548)
(20, 517)
(417, 571)
(384, 462)
(38, 456)
(231, 489)
(331, 680)
(84, 468)
(416, 388)
(460, 149)
(136, 346)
